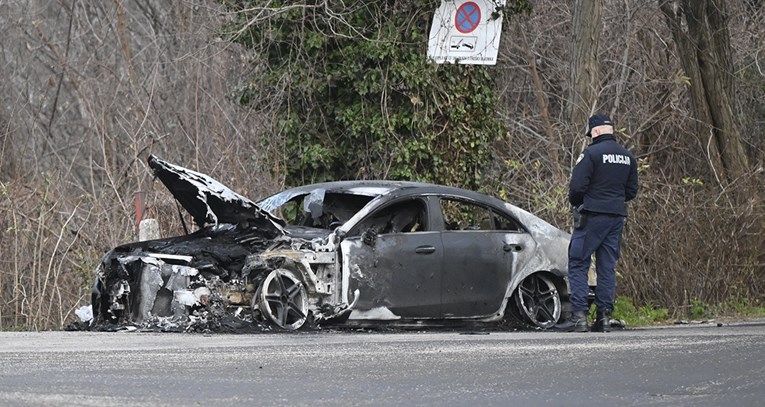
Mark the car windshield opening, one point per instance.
(321, 209)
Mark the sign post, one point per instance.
(466, 32)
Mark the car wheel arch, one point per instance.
(527, 290)
(258, 267)
(304, 267)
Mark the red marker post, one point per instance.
(140, 207)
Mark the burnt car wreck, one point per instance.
(346, 252)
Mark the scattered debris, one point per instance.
(694, 322)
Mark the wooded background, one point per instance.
(265, 94)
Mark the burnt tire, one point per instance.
(537, 301)
(282, 299)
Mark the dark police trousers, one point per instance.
(601, 235)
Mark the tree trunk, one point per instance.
(583, 81)
(554, 142)
(700, 31)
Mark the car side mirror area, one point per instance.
(339, 234)
(369, 237)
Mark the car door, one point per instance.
(395, 262)
(479, 258)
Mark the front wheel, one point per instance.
(282, 298)
(537, 301)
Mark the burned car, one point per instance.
(345, 252)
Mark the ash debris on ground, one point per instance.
(243, 323)
(197, 322)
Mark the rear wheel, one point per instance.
(282, 298)
(537, 301)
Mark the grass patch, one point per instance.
(647, 315)
(741, 309)
(625, 310)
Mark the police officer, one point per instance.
(602, 181)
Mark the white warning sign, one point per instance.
(466, 32)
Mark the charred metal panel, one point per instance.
(316, 268)
(363, 188)
(316, 271)
(477, 269)
(549, 254)
(401, 272)
(209, 202)
(164, 289)
(160, 278)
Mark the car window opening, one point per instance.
(321, 209)
(460, 215)
(403, 217)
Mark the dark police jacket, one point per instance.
(605, 178)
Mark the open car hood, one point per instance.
(209, 202)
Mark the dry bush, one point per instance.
(48, 248)
(90, 89)
(688, 242)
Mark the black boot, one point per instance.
(602, 321)
(577, 322)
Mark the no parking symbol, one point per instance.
(467, 18)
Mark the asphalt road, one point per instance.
(676, 366)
